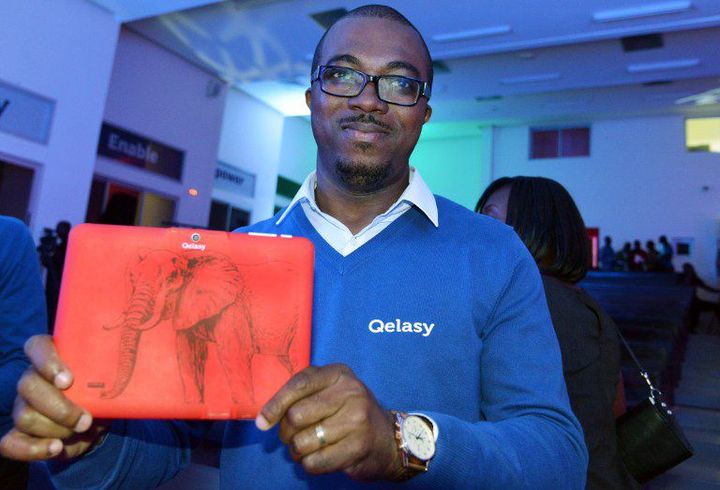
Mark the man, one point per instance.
(666, 255)
(52, 250)
(607, 255)
(433, 312)
(22, 314)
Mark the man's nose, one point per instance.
(368, 100)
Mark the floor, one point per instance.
(697, 401)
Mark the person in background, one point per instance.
(638, 257)
(52, 250)
(665, 255)
(689, 277)
(651, 262)
(22, 314)
(607, 255)
(476, 398)
(624, 258)
(547, 220)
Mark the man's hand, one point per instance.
(47, 424)
(331, 422)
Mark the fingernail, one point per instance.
(55, 447)
(62, 379)
(83, 423)
(262, 423)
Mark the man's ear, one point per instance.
(308, 97)
(428, 113)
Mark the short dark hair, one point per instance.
(544, 215)
(381, 12)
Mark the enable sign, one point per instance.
(25, 114)
(138, 151)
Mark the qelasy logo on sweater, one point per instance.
(398, 326)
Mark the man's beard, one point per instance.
(360, 177)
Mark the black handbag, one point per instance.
(649, 440)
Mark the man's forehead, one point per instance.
(376, 40)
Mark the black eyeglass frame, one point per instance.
(425, 88)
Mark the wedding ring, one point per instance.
(320, 433)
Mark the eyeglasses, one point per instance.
(342, 81)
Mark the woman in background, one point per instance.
(545, 217)
(689, 277)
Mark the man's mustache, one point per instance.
(364, 119)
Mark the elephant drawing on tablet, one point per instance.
(204, 299)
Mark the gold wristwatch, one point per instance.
(415, 435)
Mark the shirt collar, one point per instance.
(417, 193)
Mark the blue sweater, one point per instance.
(449, 321)
(22, 308)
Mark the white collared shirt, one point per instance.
(339, 236)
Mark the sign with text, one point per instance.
(235, 180)
(138, 151)
(25, 114)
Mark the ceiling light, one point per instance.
(540, 77)
(472, 34)
(663, 65)
(705, 98)
(642, 11)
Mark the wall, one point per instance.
(160, 96)
(638, 183)
(62, 50)
(299, 151)
(454, 160)
(251, 140)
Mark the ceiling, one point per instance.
(528, 61)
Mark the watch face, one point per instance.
(418, 437)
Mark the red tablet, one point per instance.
(182, 323)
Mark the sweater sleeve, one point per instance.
(135, 454)
(22, 308)
(527, 436)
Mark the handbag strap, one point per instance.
(655, 393)
(592, 305)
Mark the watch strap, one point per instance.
(411, 465)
